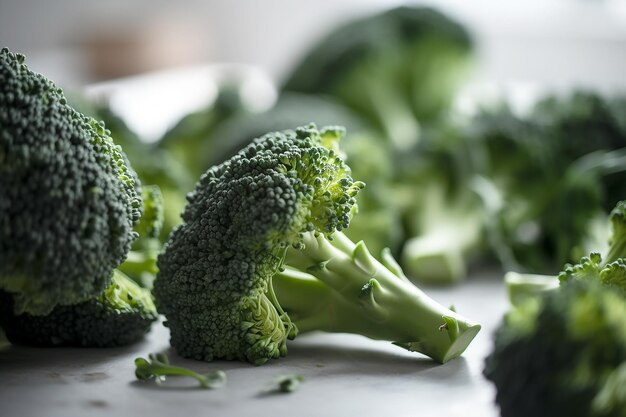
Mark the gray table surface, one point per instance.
(345, 375)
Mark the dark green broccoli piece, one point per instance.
(562, 354)
(559, 170)
(397, 69)
(69, 198)
(152, 164)
(158, 366)
(121, 315)
(288, 383)
(263, 230)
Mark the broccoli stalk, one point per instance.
(448, 230)
(345, 289)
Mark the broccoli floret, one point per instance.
(279, 205)
(158, 366)
(140, 264)
(69, 199)
(397, 69)
(562, 354)
(121, 315)
(288, 383)
(610, 271)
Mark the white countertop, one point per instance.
(345, 375)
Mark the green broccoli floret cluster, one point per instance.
(69, 199)
(69, 214)
(262, 231)
(562, 354)
(562, 350)
(560, 170)
(609, 270)
(140, 264)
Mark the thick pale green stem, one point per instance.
(433, 258)
(345, 289)
(520, 287)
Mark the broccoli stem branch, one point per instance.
(345, 289)
(436, 257)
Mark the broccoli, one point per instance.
(560, 169)
(562, 354)
(157, 366)
(121, 315)
(152, 164)
(69, 215)
(443, 213)
(261, 256)
(69, 198)
(559, 351)
(610, 271)
(397, 69)
(140, 264)
(288, 383)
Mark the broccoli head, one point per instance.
(69, 198)
(562, 354)
(262, 231)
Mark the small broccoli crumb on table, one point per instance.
(342, 375)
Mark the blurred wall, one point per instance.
(557, 43)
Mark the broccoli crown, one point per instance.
(69, 198)
(122, 314)
(239, 221)
(557, 355)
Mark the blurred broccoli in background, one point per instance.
(559, 171)
(443, 214)
(397, 69)
(561, 350)
(562, 355)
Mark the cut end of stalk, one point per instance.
(444, 352)
(460, 344)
